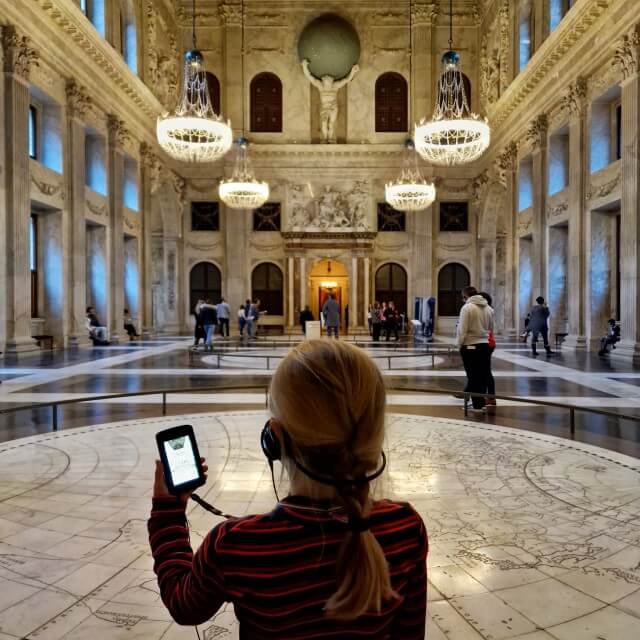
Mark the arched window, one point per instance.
(213, 85)
(452, 279)
(391, 285)
(266, 103)
(205, 282)
(391, 102)
(266, 286)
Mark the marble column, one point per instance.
(629, 60)
(78, 104)
(290, 290)
(231, 15)
(537, 135)
(303, 282)
(421, 92)
(575, 103)
(353, 294)
(150, 179)
(420, 226)
(367, 286)
(18, 57)
(115, 244)
(236, 272)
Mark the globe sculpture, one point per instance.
(331, 45)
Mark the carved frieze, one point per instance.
(78, 101)
(47, 188)
(19, 55)
(330, 210)
(601, 191)
(626, 58)
(557, 210)
(97, 210)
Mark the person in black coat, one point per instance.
(306, 315)
(391, 319)
(612, 337)
(199, 332)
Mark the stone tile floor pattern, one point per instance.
(531, 537)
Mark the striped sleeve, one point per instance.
(411, 619)
(191, 586)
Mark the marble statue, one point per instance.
(328, 88)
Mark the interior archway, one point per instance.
(329, 277)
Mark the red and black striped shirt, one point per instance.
(278, 570)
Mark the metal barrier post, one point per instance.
(572, 421)
(54, 416)
(164, 403)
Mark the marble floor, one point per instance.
(531, 536)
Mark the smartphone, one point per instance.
(180, 458)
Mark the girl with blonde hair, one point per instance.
(328, 561)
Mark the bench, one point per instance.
(560, 337)
(44, 342)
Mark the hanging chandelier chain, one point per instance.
(193, 23)
(242, 61)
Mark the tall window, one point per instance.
(128, 35)
(266, 103)
(266, 285)
(452, 279)
(618, 132)
(213, 86)
(83, 6)
(525, 184)
(525, 34)
(391, 102)
(33, 263)
(391, 285)
(557, 11)
(33, 132)
(205, 282)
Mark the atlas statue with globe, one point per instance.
(329, 50)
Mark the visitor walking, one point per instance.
(376, 321)
(369, 319)
(491, 382)
(391, 320)
(248, 312)
(198, 332)
(129, 327)
(242, 319)
(306, 315)
(331, 314)
(97, 331)
(209, 321)
(472, 338)
(223, 313)
(539, 324)
(612, 337)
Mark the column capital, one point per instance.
(151, 163)
(574, 99)
(230, 14)
(78, 100)
(536, 133)
(19, 55)
(506, 163)
(424, 14)
(119, 135)
(626, 57)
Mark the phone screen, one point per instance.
(181, 459)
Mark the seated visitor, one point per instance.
(306, 315)
(612, 337)
(129, 327)
(97, 332)
(328, 561)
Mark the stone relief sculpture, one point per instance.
(328, 88)
(332, 210)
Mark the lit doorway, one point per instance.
(329, 277)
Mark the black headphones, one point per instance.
(272, 449)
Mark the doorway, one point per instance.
(329, 277)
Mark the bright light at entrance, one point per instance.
(328, 285)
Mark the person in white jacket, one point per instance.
(472, 338)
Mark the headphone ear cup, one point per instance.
(270, 444)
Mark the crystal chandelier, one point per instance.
(410, 192)
(194, 132)
(242, 190)
(454, 135)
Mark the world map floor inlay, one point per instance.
(531, 537)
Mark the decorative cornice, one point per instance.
(19, 56)
(230, 14)
(626, 58)
(536, 133)
(574, 99)
(78, 101)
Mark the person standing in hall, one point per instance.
(376, 321)
(199, 332)
(248, 311)
(223, 312)
(306, 315)
(209, 321)
(472, 338)
(391, 318)
(331, 313)
(539, 324)
(242, 319)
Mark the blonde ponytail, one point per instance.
(329, 398)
